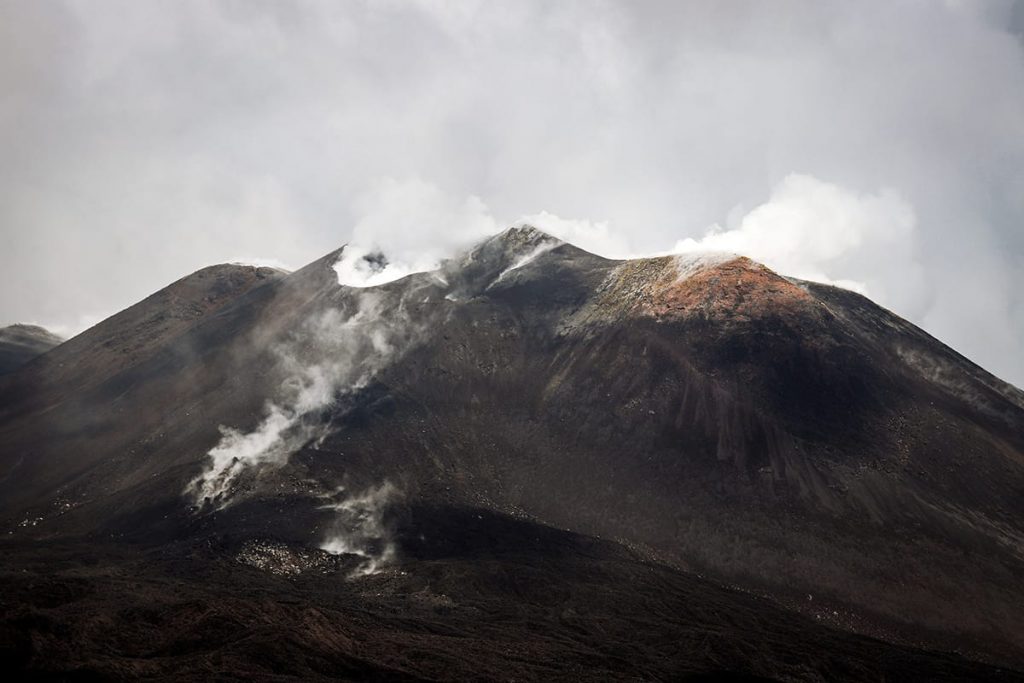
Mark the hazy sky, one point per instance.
(875, 144)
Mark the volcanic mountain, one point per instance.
(532, 462)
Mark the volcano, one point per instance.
(529, 463)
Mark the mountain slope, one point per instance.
(784, 437)
(84, 389)
(131, 336)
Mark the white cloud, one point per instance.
(595, 237)
(816, 230)
(415, 225)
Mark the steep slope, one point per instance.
(21, 343)
(56, 412)
(133, 335)
(788, 438)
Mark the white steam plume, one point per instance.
(332, 355)
(417, 223)
(815, 230)
(546, 244)
(359, 528)
(596, 237)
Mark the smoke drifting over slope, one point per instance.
(403, 220)
(359, 527)
(819, 231)
(332, 356)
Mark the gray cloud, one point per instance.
(144, 140)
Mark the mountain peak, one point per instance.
(516, 241)
(143, 329)
(524, 232)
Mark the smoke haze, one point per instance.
(359, 528)
(332, 356)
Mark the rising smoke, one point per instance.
(544, 245)
(820, 231)
(332, 356)
(359, 527)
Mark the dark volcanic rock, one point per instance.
(730, 426)
(478, 596)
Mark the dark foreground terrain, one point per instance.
(482, 597)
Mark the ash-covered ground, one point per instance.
(474, 596)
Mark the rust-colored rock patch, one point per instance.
(738, 288)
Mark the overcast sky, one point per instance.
(879, 145)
